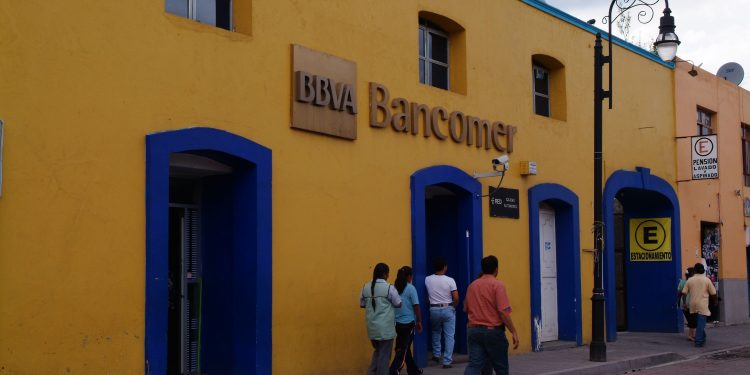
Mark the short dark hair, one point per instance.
(690, 272)
(439, 263)
(489, 265)
(698, 268)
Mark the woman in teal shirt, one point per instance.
(408, 318)
(379, 299)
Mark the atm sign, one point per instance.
(650, 240)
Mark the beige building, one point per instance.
(713, 176)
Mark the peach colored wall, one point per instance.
(719, 200)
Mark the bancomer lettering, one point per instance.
(461, 128)
(636, 256)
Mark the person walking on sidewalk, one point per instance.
(683, 301)
(488, 309)
(408, 318)
(700, 289)
(443, 296)
(379, 300)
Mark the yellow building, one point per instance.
(181, 195)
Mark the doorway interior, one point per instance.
(448, 237)
(711, 252)
(620, 274)
(446, 222)
(208, 253)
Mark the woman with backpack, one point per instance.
(379, 299)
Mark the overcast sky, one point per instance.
(713, 32)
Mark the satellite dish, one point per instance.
(731, 72)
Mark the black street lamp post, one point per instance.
(666, 45)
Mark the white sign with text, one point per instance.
(705, 157)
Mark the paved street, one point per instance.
(734, 362)
(638, 351)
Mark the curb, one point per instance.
(622, 365)
(700, 356)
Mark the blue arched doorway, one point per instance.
(208, 253)
(446, 219)
(567, 314)
(645, 290)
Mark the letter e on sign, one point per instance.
(650, 240)
(704, 146)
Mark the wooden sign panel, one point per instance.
(324, 93)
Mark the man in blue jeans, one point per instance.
(443, 295)
(488, 309)
(700, 289)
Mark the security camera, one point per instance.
(504, 159)
(501, 161)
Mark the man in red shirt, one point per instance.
(488, 310)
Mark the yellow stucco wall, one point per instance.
(720, 200)
(83, 82)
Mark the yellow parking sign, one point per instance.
(651, 239)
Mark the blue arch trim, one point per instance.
(567, 225)
(641, 178)
(420, 180)
(254, 303)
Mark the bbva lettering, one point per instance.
(324, 92)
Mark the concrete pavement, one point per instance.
(633, 350)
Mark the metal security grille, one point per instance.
(191, 291)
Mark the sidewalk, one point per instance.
(633, 350)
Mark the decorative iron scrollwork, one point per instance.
(645, 10)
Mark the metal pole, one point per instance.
(598, 349)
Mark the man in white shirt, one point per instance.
(443, 296)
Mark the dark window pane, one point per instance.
(439, 50)
(421, 43)
(421, 71)
(177, 7)
(224, 14)
(541, 81)
(439, 76)
(541, 105)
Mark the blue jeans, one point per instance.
(443, 320)
(487, 347)
(700, 330)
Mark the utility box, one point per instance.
(528, 168)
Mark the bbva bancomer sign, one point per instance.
(410, 117)
(327, 104)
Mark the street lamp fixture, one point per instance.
(667, 41)
(666, 46)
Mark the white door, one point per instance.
(548, 265)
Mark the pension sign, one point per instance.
(651, 240)
(705, 161)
